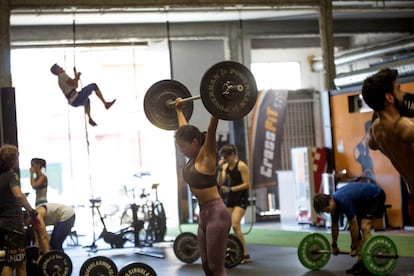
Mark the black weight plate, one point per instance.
(372, 252)
(97, 266)
(55, 263)
(137, 269)
(228, 90)
(309, 244)
(234, 252)
(156, 109)
(32, 254)
(186, 247)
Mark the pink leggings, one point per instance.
(213, 230)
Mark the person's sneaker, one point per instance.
(361, 270)
(246, 259)
(354, 268)
(92, 122)
(109, 104)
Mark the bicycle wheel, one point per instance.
(155, 225)
(128, 219)
(160, 220)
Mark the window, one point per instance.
(84, 161)
(277, 75)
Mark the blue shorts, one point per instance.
(83, 95)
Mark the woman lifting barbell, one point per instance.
(200, 173)
(361, 203)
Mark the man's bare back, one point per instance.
(393, 132)
(394, 137)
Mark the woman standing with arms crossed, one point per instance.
(38, 180)
(200, 174)
(237, 192)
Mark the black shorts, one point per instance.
(13, 241)
(375, 208)
(239, 199)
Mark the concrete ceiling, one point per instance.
(63, 12)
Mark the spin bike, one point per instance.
(150, 216)
(145, 223)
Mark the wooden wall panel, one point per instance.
(349, 136)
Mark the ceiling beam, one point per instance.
(50, 4)
(18, 4)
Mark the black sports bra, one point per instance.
(198, 180)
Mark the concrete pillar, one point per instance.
(5, 72)
(327, 43)
(8, 116)
(238, 49)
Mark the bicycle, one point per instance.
(150, 214)
(144, 222)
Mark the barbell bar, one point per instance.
(379, 253)
(375, 255)
(227, 89)
(171, 103)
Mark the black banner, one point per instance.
(267, 135)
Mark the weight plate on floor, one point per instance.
(308, 246)
(137, 269)
(234, 252)
(228, 90)
(379, 254)
(156, 107)
(55, 263)
(32, 254)
(98, 265)
(186, 247)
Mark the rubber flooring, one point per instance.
(266, 260)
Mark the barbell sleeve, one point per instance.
(171, 103)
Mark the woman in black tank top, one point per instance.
(200, 174)
(234, 181)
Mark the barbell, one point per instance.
(186, 249)
(379, 253)
(227, 89)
